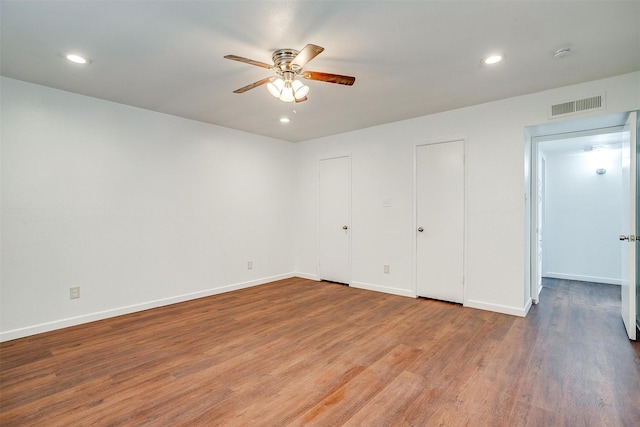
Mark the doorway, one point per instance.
(576, 128)
(580, 206)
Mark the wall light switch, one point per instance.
(249, 265)
(386, 269)
(74, 292)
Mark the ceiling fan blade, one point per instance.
(248, 61)
(301, 100)
(309, 52)
(329, 78)
(252, 85)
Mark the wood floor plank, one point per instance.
(388, 406)
(298, 352)
(344, 401)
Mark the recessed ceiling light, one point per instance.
(493, 59)
(77, 59)
(285, 120)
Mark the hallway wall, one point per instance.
(583, 216)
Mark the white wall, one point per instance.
(137, 208)
(142, 209)
(382, 159)
(583, 216)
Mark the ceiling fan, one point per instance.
(288, 64)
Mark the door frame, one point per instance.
(538, 188)
(465, 234)
(318, 230)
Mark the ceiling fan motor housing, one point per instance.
(282, 58)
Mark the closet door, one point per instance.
(335, 219)
(440, 221)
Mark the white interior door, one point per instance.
(440, 221)
(335, 214)
(628, 237)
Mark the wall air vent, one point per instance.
(577, 106)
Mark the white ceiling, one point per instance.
(410, 58)
(578, 143)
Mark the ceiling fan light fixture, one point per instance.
(287, 90)
(275, 87)
(287, 93)
(299, 90)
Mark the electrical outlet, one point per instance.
(74, 292)
(386, 269)
(249, 265)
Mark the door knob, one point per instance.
(623, 237)
(420, 229)
(631, 237)
(344, 227)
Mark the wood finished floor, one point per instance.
(297, 352)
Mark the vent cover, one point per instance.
(577, 106)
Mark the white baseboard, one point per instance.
(91, 317)
(307, 276)
(580, 278)
(514, 311)
(385, 289)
